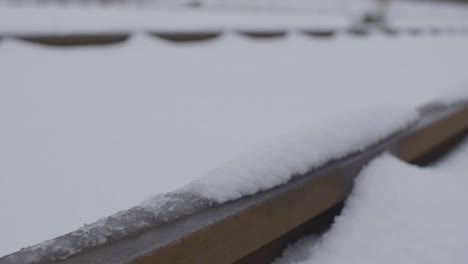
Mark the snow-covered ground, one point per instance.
(90, 131)
(397, 213)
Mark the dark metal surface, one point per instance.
(435, 135)
(316, 226)
(320, 33)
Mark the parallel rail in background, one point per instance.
(88, 39)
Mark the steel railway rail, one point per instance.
(252, 229)
(87, 39)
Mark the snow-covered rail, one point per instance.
(252, 229)
(86, 39)
(106, 38)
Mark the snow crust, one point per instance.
(101, 129)
(397, 213)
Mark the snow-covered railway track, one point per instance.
(253, 229)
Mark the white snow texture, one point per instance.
(276, 162)
(87, 132)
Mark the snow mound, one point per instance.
(276, 162)
(397, 213)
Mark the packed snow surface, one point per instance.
(87, 132)
(397, 213)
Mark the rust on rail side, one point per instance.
(315, 226)
(239, 235)
(431, 141)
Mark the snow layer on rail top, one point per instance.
(397, 213)
(167, 105)
(297, 153)
(68, 20)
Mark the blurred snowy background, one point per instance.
(88, 131)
